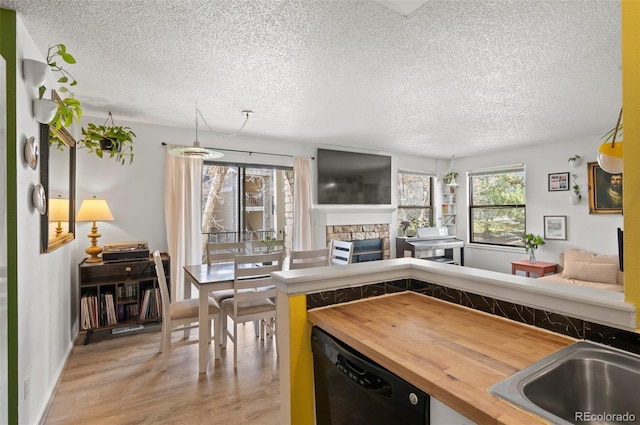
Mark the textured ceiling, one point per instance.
(450, 77)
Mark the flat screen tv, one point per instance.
(353, 178)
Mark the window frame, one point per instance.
(429, 207)
(515, 168)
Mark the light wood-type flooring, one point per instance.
(116, 380)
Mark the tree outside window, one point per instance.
(415, 206)
(497, 206)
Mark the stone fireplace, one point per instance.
(361, 232)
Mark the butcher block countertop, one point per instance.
(451, 352)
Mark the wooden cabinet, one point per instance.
(119, 296)
(449, 208)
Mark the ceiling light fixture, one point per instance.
(207, 153)
(610, 153)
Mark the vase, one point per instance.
(532, 255)
(44, 110)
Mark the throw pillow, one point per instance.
(592, 272)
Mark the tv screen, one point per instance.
(353, 178)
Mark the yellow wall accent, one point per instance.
(302, 401)
(631, 110)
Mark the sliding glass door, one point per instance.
(246, 203)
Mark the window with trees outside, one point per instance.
(415, 204)
(497, 205)
(246, 203)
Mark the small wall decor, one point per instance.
(39, 198)
(555, 227)
(31, 152)
(558, 182)
(605, 191)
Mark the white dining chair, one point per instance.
(309, 258)
(219, 253)
(341, 252)
(180, 315)
(254, 296)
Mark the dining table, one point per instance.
(207, 278)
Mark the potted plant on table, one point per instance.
(531, 243)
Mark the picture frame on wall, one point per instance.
(555, 227)
(605, 190)
(558, 182)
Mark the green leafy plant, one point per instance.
(574, 158)
(450, 176)
(608, 137)
(269, 242)
(531, 241)
(69, 109)
(117, 141)
(576, 187)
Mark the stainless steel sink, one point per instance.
(582, 383)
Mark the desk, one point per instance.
(539, 267)
(206, 279)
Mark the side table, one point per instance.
(539, 267)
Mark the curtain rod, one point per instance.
(165, 144)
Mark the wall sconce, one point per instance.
(58, 212)
(94, 210)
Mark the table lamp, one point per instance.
(94, 210)
(58, 211)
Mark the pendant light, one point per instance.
(206, 153)
(610, 153)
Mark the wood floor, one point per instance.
(115, 380)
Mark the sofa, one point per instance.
(587, 269)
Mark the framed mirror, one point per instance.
(58, 177)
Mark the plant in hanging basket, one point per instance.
(450, 176)
(116, 140)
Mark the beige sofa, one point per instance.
(583, 268)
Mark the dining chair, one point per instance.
(261, 247)
(180, 315)
(341, 252)
(222, 252)
(309, 258)
(219, 253)
(254, 295)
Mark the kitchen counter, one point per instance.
(451, 352)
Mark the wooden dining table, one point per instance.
(207, 278)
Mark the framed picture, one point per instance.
(558, 181)
(605, 191)
(555, 227)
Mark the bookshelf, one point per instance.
(449, 208)
(119, 296)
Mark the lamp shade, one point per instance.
(58, 209)
(610, 157)
(94, 210)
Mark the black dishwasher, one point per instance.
(352, 389)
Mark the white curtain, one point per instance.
(182, 199)
(302, 203)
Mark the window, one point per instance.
(243, 203)
(415, 203)
(497, 206)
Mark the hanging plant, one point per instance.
(68, 109)
(450, 176)
(116, 140)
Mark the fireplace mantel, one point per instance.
(331, 215)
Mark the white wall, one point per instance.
(594, 232)
(45, 322)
